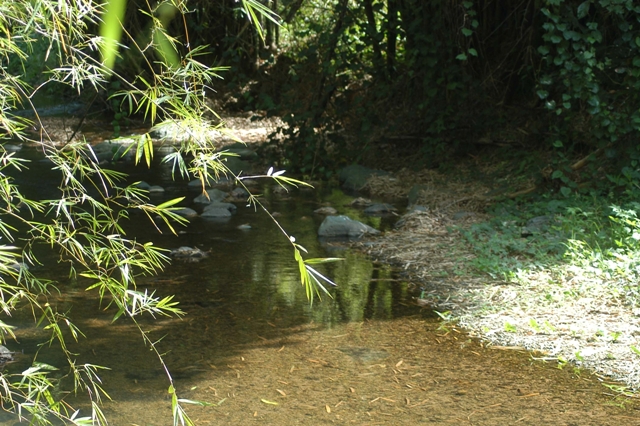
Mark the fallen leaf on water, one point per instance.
(326, 407)
(268, 402)
(281, 392)
(399, 363)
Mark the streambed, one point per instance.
(252, 346)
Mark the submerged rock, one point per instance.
(219, 210)
(213, 195)
(189, 254)
(343, 226)
(239, 194)
(9, 147)
(220, 205)
(281, 190)
(186, 212)
(142, 185)
(216, 212)
(361, 354)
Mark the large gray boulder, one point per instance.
(343, 226)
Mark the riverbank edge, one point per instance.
(578, 326)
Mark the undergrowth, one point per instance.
(595, 237)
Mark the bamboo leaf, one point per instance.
(169, 203)
(320, 260)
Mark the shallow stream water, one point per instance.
(251, 345)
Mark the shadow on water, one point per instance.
(251, 345)
(247, 290)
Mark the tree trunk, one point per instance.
(323, 96)
(378, 63)
(392, 34)
(293, 9)
(271, 28)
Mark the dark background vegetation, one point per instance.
(553, 84)
(544, 94)
(433, 80)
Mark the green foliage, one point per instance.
(559, 74)
(340, 86)
(590, 79)
(82, 223)
(599, 238)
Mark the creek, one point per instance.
(252, 346)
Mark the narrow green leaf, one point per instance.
(317, 261)
(169, 203)
(199, 403)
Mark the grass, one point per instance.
(552, 273)
(567, 286)
(586, 236)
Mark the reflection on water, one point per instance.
(252, 347)
(247, 290)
